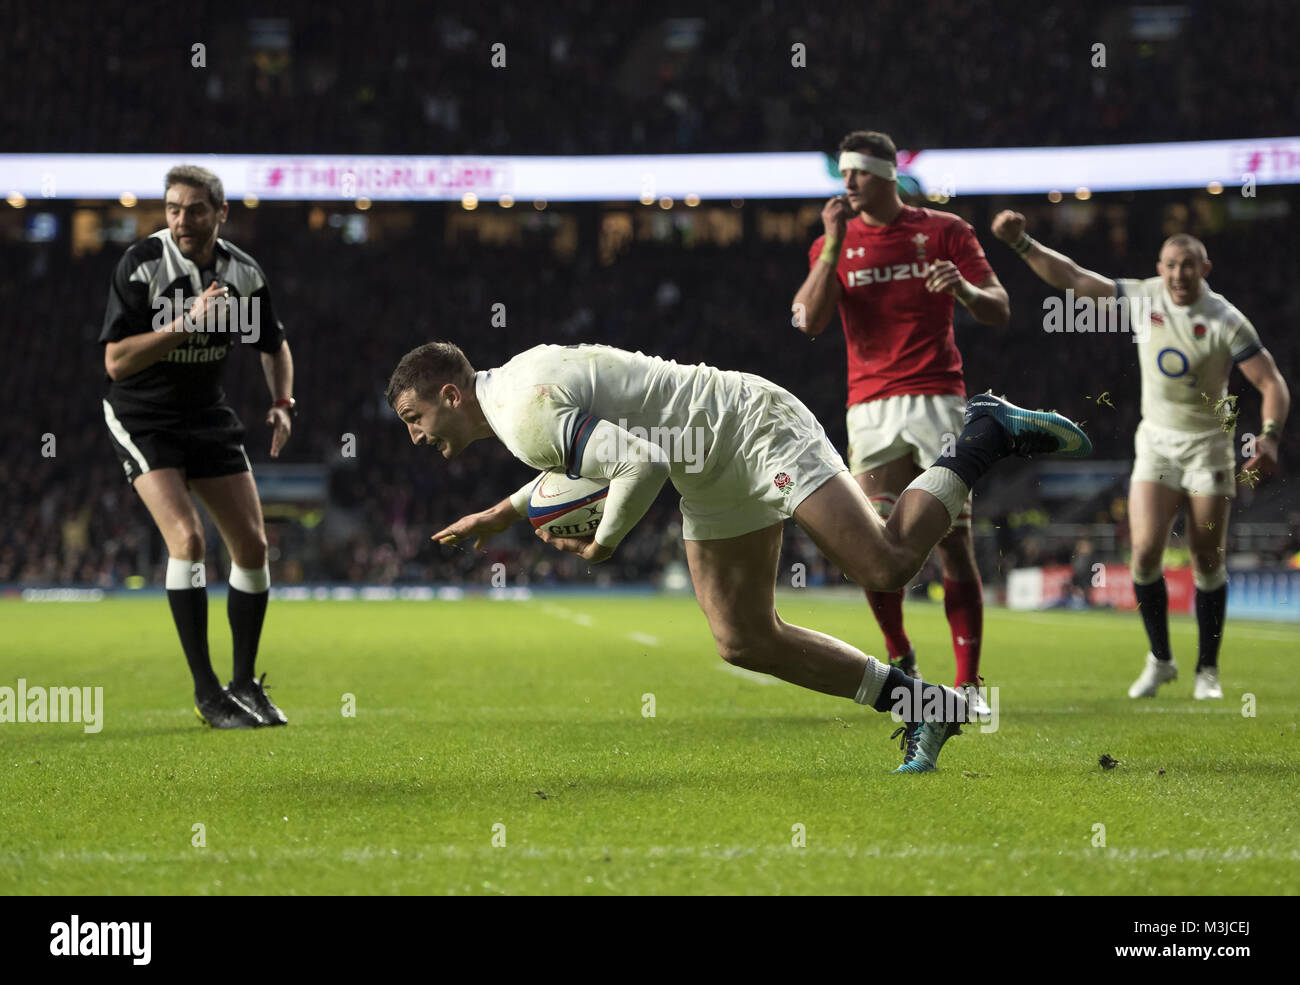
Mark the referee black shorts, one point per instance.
(202, 442)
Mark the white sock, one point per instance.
(183, 574)
(873, 682)
(1215, 580)
(250, 580)
(945, 485)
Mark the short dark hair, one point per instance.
(1185, 241)
(427, 369)
(197, 177)
(873, 143)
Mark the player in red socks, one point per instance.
(895, 273)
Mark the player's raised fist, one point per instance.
(1008, 226)
(835, 217)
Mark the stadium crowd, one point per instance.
(590, 78)
(351, 310)
(576, 78)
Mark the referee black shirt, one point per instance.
(143, 297)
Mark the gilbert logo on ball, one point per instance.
(565, 506)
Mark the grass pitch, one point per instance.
(503, 747)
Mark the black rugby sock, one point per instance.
(246, 611)
(981, 444)
(1153, 603)
(190, 613)
(914, 699)
(1210, 609)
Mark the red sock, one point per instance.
(888, 610)
(963, 604)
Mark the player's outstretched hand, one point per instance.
(279, 418)
(1265, 460)
(481, 526)
(1008, 226)
(585, 547)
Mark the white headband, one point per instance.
(850, 159)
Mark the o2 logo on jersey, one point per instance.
(1174, 364)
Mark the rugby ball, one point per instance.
(567, 507)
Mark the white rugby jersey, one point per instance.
(544, 404)
(1188, 353)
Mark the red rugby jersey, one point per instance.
(898, 335)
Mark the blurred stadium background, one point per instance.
(359, 280)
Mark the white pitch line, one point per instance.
(779, 848)
(582, 619)
(1197, 709)
(578, 618)
(749, 675)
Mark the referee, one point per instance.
(180, 302)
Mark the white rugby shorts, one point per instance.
(919, 425)
(1199, 463)
(770, 454)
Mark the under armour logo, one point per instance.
(855, 252)
(967, 640)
